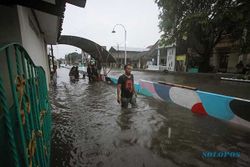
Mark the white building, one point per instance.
(171, 57)
(159, 58)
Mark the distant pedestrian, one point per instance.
(76, 72)
(90, 72)
(95, 73)
(99, 68)
(72, 71)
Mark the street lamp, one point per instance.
(125, 36)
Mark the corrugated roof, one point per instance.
(88, 46)
(130, 49)
(152, 51)
(149, 53)
(80, 3)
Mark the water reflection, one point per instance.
(124, 119)
(91, 129)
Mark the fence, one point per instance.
(25, 116)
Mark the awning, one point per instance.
(95, 50)
(48, 13)
(80, 3)
(54, 7)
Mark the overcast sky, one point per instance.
(97, 19)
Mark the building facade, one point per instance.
(158, 57)
(226, 56)
(132, 55)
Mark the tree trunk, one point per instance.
(205, 64)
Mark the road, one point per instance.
(90, 129)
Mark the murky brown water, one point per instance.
(90, 129)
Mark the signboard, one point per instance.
(181, 57)
(171, 59)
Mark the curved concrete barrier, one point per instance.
(227, 108)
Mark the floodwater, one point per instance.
(90, 129)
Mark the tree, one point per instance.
(242, 29)
(203, 23)
(73, 58)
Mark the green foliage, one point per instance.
(202, 23)
(73, 57)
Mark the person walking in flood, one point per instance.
(90, 73)
(76, 73)
(95, 73)
(125, 88)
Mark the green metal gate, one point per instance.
(25, 116)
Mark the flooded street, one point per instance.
(90, 129)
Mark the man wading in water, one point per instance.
(125, 88)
